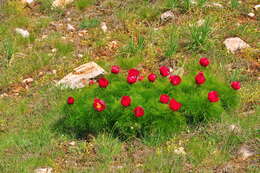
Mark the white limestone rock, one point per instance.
(234, 44)
(70, 27)
(251, 14)
(167, 15)
(28, 80)
(103, 26)
(81, 75)
(43, 170)
(24, 33)
(244, 152)
(257, 7)
(61, 3)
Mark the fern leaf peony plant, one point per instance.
(157, 106)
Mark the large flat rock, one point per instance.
(234, 44)
(81, 75)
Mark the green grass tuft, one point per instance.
(89, 23)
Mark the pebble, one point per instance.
(24, 33)
(103, 26)
(167, 15)
(28, 80)
(244, 152)
(234, 44)
(257, 6)
(43, 170)
(251, 14)
(70, 27)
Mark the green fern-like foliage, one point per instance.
(159, 121)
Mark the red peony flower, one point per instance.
(126, 101)
(103, 82)
(175, 79)
(133, 72)
(91, 82)
(174, 105)
(131, 79)
(99, 105)
(200, 78)
(213, 96)
(70, 100)
(115, 69)
(235, 85)
(204, 62)
(164, 98)
(152, 77)
(165, 71)
(139, 111)
(141, 78)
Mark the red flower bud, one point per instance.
(99, 105)
(115, 69)
(204, 62)
(175, 80)
(126, 101)
(164, 98)
(141, 78)
(131, 79)
(139, 111)
(103, 82)
(165, 71)
(152, 77)
(70, 100)
(213, 96)
(200, 78)
(133, 72)
(174, 105)
(235, 85)
(91, 82)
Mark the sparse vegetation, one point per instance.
(89, 23)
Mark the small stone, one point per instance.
(179, 151)
(43, 170)
(27, 1)
(28, 80)
(54, 71)
(214, 4)
(167, 15)
(54, 50)
(251, 14)
(72, 143)
(257, 6)
(70, 27)
(80, 55)
(234, 44)
(200, 22)
(81, 74)
(103, 26)
(41, 73)
(3, 95)
(217, 5)
(61, 3)
(244, 152)
(22, 32)
(193, 2)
